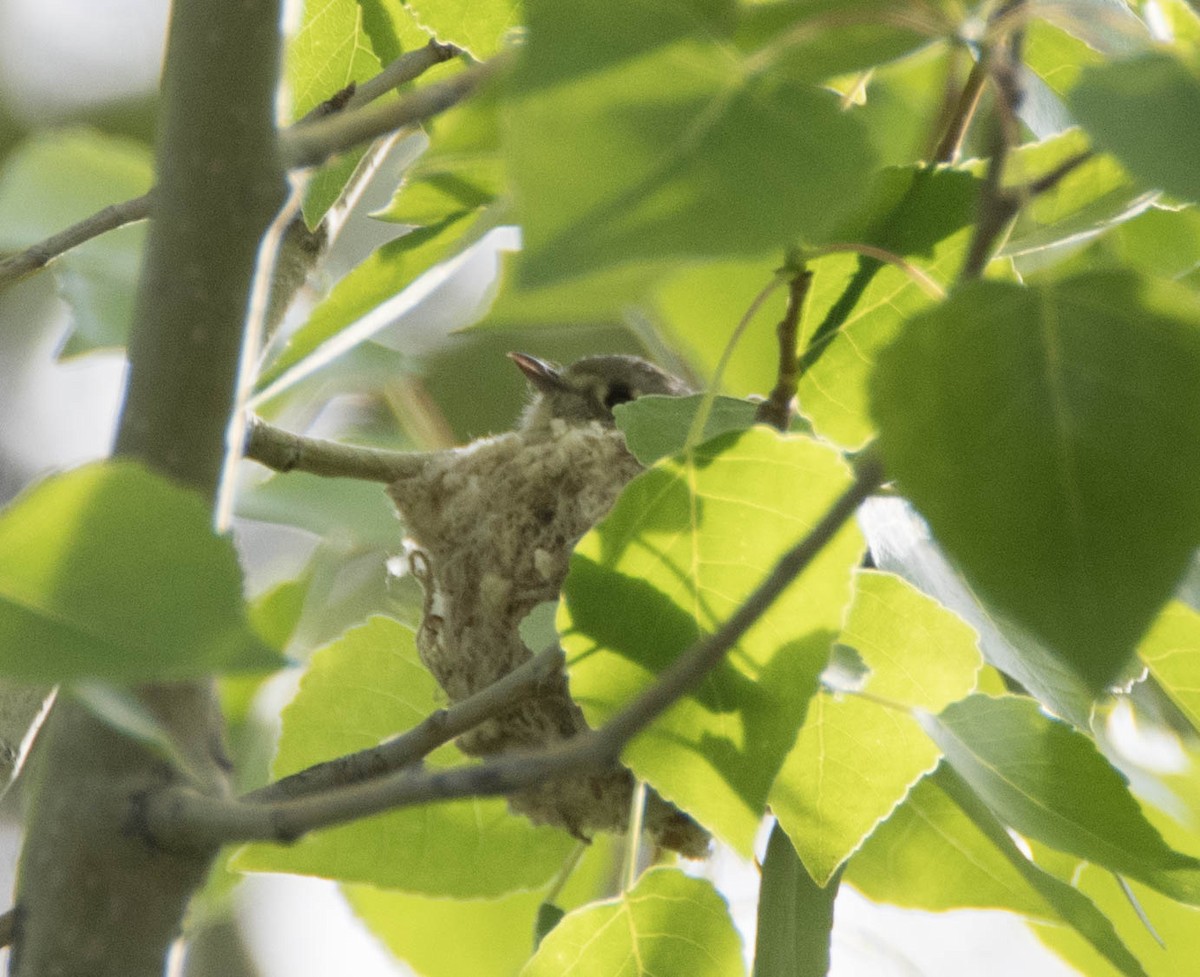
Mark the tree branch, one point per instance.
(776, 410)
(314, 142)
(406, 68)
(964, 111)
(287, 452)
(999, 205)
(37, 256)
(177, 817)
(93, 899)
(415, 744)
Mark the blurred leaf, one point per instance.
(111, 572)
(357, 306)
(276, 613)
(670, 143)
(855, 759)
(477, 26)
(816, 39)
(1171, 650)
(598, 298)
(668, 925)
(1048, 781)
(1049, 436)
(1146, 112)
(461, 170)
(795, 915)
(500, 932)
(1092, 198)
(699, 307)
(365, 687)
(658, 426)
(56, 179)
(1160, 242)
(685, 544)
(901, 109)
(347, 510)
(1056, 56)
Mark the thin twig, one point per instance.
(414, 745)
(403, 69)
(408, 67)
(37, 256)
(776, 410)
(316, 141)
(919, 277)
(999, 205)
(183, 818)
(964, 111)
(287, 452)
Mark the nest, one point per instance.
(495, 523)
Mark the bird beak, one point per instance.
(542, 375)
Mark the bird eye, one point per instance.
(618, 393)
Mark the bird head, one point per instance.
(589, 388)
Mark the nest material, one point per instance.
(495, 523)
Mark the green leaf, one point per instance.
(929, 828)
(1055, 56)
(334, 47)
(111, 572)
(499, 934)
(365, 687)
(1050, 437)
(58, 178)
(276, 613)
(1049, 782)
(597, 298)
(857, 303)
(670, 148)
(700, 306)
(328, 52)
(658, 426)
(978, 865)
(1177, 925)
(1071, 905)
(343, 508)
(900, 543)
(477, 26)
(855, 759)
(1171, 650)
(684, 546)
(795, 915)
(1094, 197)
(461, 170)
(1146, 112)
(668, 925)
(816, 39)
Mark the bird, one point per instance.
(492, 525)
